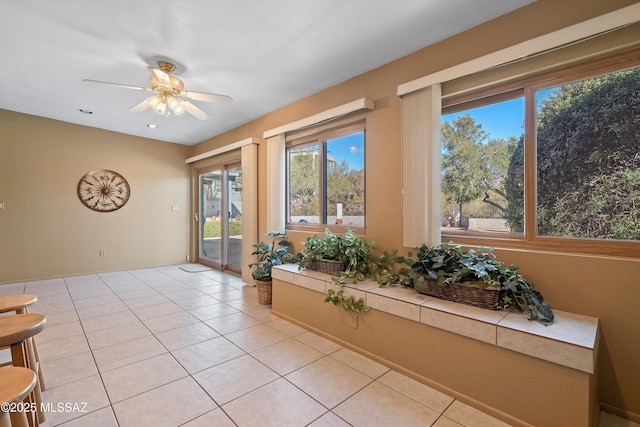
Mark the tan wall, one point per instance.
(461, 367)
(606, 288)
(45, 231)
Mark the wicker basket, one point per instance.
(327, 266)
(264, 292)
(465, 293)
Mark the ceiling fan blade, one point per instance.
(118, 85)
(141, 106)
(160, 76)
(194, 111)
(207, 97)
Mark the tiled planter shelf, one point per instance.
(570, 343)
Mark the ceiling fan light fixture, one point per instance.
(158, 103)
(178, 110)
(175, 105)
(170, 97)
(172, 102)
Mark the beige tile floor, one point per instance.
(165, 347)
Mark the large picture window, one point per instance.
(325, 178)
(482, 168)
(588, 157)
(554, 158)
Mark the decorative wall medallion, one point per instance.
(103, 190)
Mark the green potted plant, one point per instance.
(346, 256)
(436, 264)
(322, 254)
(274, 252)
(473, 277)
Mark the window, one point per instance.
(553, 158)
(588, 157)
(325, 178)
(482, 168)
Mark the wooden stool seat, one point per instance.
(19, 327)
(20, 304)
(17, 303)
(16, 384)
(17, 331)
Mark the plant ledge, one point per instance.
(572, 341)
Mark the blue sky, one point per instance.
(503, 119)
(350, 147)
(499, 120)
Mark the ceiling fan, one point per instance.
(170, 96)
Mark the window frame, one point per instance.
(320, 138)
(528, 86)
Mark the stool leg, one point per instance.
(18, 419)
(34, 366)
(32, 342)
(20, 357)
(5, 421)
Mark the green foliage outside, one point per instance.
(589, 159)
(344, 185)
(212, 229)
(304, 169)
(514, 187)
(588, 163)
(473, 168)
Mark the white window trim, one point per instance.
(589, 28)
(225, 149)
(331, 114)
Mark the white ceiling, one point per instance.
(265, 54)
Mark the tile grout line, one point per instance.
(263, 321)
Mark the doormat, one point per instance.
(195, 268)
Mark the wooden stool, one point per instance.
(15, 330)
(16, 384)
(20, 304)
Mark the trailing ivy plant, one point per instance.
(351, 250)
(448, 263)
(347, 302)
(437, 263)
(522, 295)
(357, 258)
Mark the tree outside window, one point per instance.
(475, 168)
(325, 178)
(586, 178)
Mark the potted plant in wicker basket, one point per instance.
(346, 256)
(473, 277)
(275, 252)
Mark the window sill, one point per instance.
(572, 341)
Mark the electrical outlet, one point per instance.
(103, 252)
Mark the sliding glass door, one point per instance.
(220, 217)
